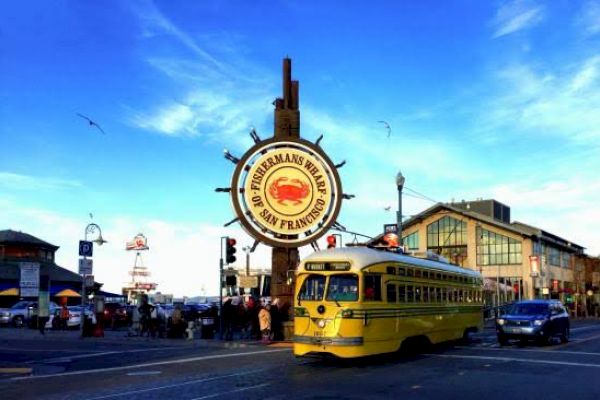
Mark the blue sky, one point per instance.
(485, 99)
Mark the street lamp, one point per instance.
(247, 250)
(90, 229)
(400, 183)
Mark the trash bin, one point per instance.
(207, 329)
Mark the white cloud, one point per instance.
(516, 16)
(560, 102)
(566, 208)
(589, 18)
(15, 181)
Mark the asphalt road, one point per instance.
(63, 366)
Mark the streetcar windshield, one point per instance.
(312, 288)
(343, 288)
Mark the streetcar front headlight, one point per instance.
(500, 321)
(321, 323)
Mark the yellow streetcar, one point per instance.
(354, 302)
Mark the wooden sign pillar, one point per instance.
(287, 126)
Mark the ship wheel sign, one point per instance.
(285, 193)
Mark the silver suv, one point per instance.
(22, 312)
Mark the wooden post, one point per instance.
(287, 126)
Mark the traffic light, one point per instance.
(230, 250)
(331, 242)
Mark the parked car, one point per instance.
(74, 320)
(22, 313)
(115, 315)
(539, 320)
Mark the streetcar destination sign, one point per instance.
(333, 266)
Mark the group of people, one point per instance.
(252, 319)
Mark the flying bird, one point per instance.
(387, 126)
(387, 208)
(92, 123)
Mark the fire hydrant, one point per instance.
(190, 330)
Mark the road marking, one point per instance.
(143, 373)
(583, 328)
(151, 364)
(15, 370)
(105, 353)
(506, 359)
(583, 340)
(549, 351)
(176, 385)
(231, 391)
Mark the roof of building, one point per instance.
(9, 236)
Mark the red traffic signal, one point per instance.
(331, 241)
(230, 250)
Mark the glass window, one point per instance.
(418, 292)
(417, 273)
(402, 271)
(496, 249)
(411, 241)
(426, 294)
(426, 274)
(372, 287)
(391, 293)
(409, 272)
(391, 270)
(410, 293)
(343, 288)
(402, 293)
(313, 288)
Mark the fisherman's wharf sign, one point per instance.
(286, 193)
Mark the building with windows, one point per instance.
(519, 261)
(17, 247)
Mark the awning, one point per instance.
(10, 292)
(67, 293)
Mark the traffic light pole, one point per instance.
(223, 238)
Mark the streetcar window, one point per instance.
(391, 270)
(312, 288)
(438, 276)
(343, 288)
(417, 273)
(372, 291)
(402, 293)
(461, 296)
(444, 277)
(426, 294)
(444, 293)
(438, 293)
(426, 274)
(417, 294)
(409, 272)
(410, 294)
(402, 271)
(391, 293)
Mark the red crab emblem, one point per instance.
(294, 193)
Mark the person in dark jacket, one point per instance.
(229, 313)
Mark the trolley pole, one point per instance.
(400, 184)
(221, 290)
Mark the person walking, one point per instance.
(229, 313)
(264, 319)
(63, 317)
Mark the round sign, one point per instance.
(286, 194)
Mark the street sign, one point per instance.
(248, 282)
(86, 266)
(85, 248)
(390, 228)
(30, 279)
(89, 281)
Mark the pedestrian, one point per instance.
(177, 323)
(276, 325)
(145, 309)
(63, 317)
(264, 318)
(229, 312)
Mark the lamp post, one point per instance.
(400, 183)
(89, 230)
